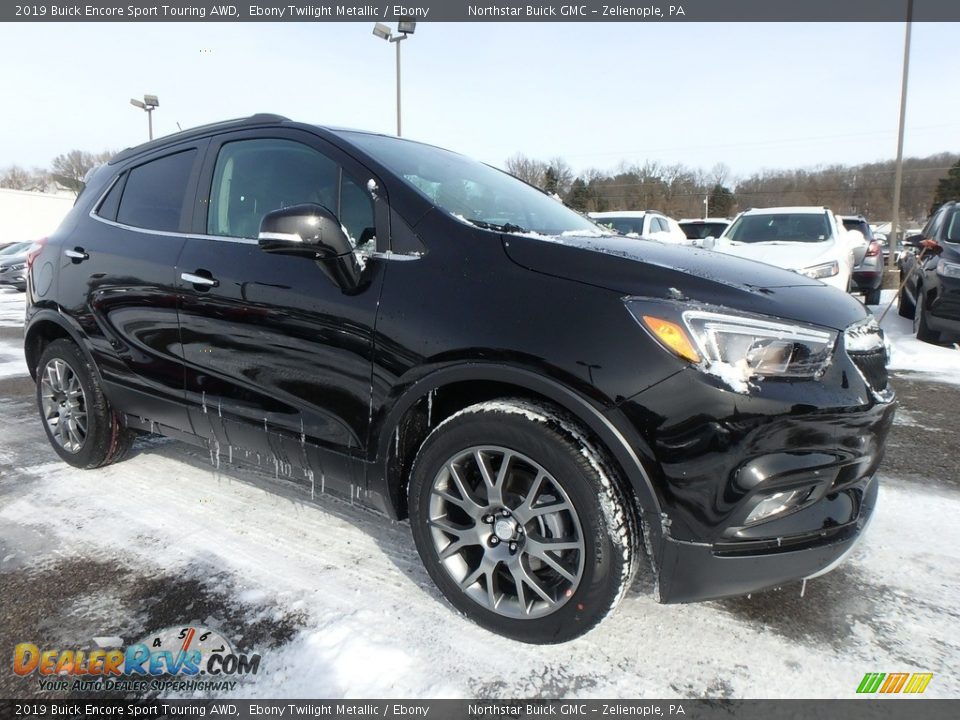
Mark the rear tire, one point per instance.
(478, 492)
(80, 424)
(872, 297)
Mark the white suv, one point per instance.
(807, 240)
(646, 224)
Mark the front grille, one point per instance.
(873, 365)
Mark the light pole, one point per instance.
(404, 28)
(148, 104)
(898, 174)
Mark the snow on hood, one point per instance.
(787, 255)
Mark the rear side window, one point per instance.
(154, 194)
(111, 203)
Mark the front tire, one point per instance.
(905, 306)
(521, 523)
(80, 424)
(920, 326)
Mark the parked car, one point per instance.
(13, 266)
(647, 224)
(700, 229)
(868, 273)
(808, 240)
(930, 295)
(439, 340)
(13, 248)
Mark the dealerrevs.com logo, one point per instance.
(173, 659)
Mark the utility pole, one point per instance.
(898, 175)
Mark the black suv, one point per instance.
(435, 338)
(930, 276)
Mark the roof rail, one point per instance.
(200, 130)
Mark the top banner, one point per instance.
(472, 11)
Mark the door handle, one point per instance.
(199, 279)
(78, 254)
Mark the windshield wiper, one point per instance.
(506, 227)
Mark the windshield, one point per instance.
(780, 227)
(623, 225)
(853, 224)
(701, 230)
(953, 230)
(471, 191)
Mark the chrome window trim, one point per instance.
(385, 255)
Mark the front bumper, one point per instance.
(715, 454)
(692, 572)
(944, 310)
(16, 278)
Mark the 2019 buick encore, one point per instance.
(546, 401)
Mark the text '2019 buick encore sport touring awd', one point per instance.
(546, 401)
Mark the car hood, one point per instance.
(783, 254)
(645, 268)
(7, 260)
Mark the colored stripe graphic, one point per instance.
(870, 682)
(894, 682)
(918, 682)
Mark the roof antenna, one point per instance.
(179, 128)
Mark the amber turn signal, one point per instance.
(672, 336)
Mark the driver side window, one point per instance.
(255, 177)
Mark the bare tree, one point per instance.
(17, 178)
(527, 169)
(69, 169)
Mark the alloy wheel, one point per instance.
(64, 405)
(506, 532)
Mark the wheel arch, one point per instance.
(433, 398)
(43, 328)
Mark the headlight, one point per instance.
(821, 271)
(948, 269)
(21, 266)
(737, 347)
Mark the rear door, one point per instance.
(117, 281)
(277, 356)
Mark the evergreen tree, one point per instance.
(947, 189)
(721, 201)
(579, 196)
(551, 183)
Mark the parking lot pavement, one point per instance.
(335, 600)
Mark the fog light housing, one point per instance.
(777, 504)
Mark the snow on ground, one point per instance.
(358, 616)
(372, 625)
(11, 307)
(941, 362)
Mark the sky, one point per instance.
(752, 96)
